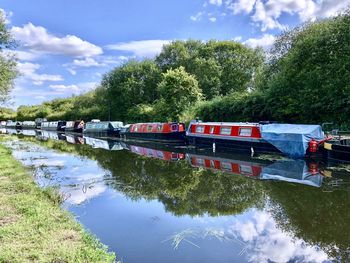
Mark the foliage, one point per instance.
(7, 114)
(178, 90)
(8, 70)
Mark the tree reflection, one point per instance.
(320, 218)
(182, 189)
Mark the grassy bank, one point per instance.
(33, 227)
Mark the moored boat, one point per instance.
(28, 125)
(338, 150)
(14, 124)
(38, 122)
(2, 123)
(53, 125)
(171, 132)
(289, 139)
(103, 128)
(74, 126)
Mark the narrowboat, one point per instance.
(28, 125)
(74, 126)
(171, 132)
(38, 122)
(338, 150)
(14, 125)
(103, 128)
(288, 139)
(53, 125)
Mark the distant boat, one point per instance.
(75, 126)
(53, 125)
(338, 150)
(14, 124)
(28, 125)
(103, 128)
(170, 132)
(38, 122)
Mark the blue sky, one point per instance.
(66, 46)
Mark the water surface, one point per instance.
(154, 203)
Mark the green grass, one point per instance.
(33, 226)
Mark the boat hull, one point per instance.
(172, 137)
(223, 145)
(339, 152)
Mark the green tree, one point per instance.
(179, 90)
(307, 79)
(8, 70)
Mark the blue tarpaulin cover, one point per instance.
(291, 139)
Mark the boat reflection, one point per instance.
(74, 138)
(106, 144)
(154, 152)
(289, 170)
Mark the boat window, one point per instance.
(211, 129)
(200, 129)
(226, 166)
(159, 128)
(174, 127)
(225, 130)
(200, 161)
(245, 132)
(246, 169)
(149, 128)
(135, 128)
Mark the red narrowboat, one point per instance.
(295, 140)
(229, 136)
(171, 132)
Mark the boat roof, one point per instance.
(228, 123)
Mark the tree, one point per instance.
(308, 77)
(8, 70)
(179, 90)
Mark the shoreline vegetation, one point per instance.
(303, 78)
(33, 226)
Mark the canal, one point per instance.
(156, 203)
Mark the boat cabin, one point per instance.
(157, 127)
(225, 129)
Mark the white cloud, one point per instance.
(265, 41)
(37, 38)
(265, 242)
(6, 15)
(29, 72)
(212, 19)
(266, 13)
(241, 6)
(142, 48)
(197, 16)
(215, 2)
(22, 55)
(86, 62)
(73, 88)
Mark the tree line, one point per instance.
(303, 78)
